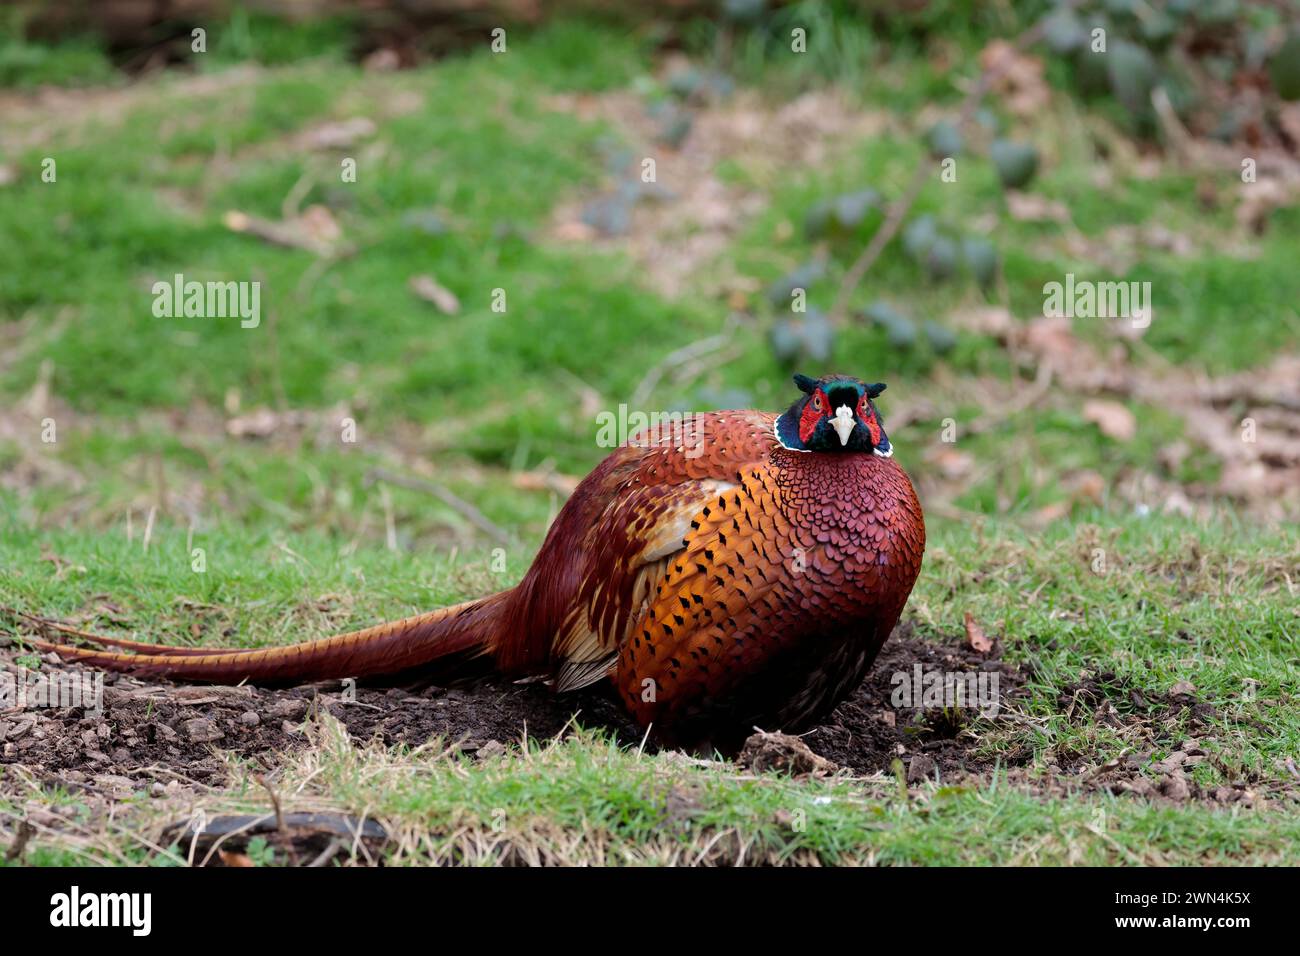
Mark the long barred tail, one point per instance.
(467, 629)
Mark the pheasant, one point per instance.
(747, 577)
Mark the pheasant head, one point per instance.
(835, 414)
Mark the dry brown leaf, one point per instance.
(430, 290)
(1259, 199)
(1288, 118)
(1086, 486)
(1031, 207)
(315, 230)
(1049, 513)
(1019, 77)
(337, 135)
(991, 320)
(545, 481)
(1052, 341)
(1113, 418)
(975, 636)
(574, 230)
(950, 462)
(383, 60)
(259, 423)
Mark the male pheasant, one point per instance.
(744, 575)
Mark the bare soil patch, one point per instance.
(156, 738)
(153, 733)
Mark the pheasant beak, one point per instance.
(844, 423)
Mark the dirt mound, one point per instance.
(149, 733)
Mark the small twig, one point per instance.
(460, 505)
(292, 202)
(22, 835)
(148, 527)
(390, 525)
(275, 802)
(898, 211)
(327, 854)
(1042, 385)
(681, 356)
(1191, 152)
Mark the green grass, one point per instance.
(1177, 602)
(295, 536)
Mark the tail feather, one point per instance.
(463, 629)
(139, 647)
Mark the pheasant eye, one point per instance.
(817, 403)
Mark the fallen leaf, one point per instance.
(259, 423)
(950, 462)
(1018, 77)
(1045, 515)
(574, 231)
(545, 481)
(985, 320)
(1288, 117)
(1113, 418)
(1086, 486)
(430, 290)
(315, 230)
(383, 60)
(337, 135)
(1031, 207)
(975, 636)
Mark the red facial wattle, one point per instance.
(814, 411)
(867, 415)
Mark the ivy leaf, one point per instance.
(919, 236)
(982, 258)
(899, 329)
(942, 339)
(1063, 32)
(1284, 69)
(943, 140)
(780, 291)
(1133, 75)
(1016, 163)
(941, 261)
(851, 208)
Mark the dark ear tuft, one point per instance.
(806, 385)
(874, 390)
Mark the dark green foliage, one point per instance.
(943, 140)
(1124, 49)
(1284, 68)
(806, 335)
(1016, 163)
